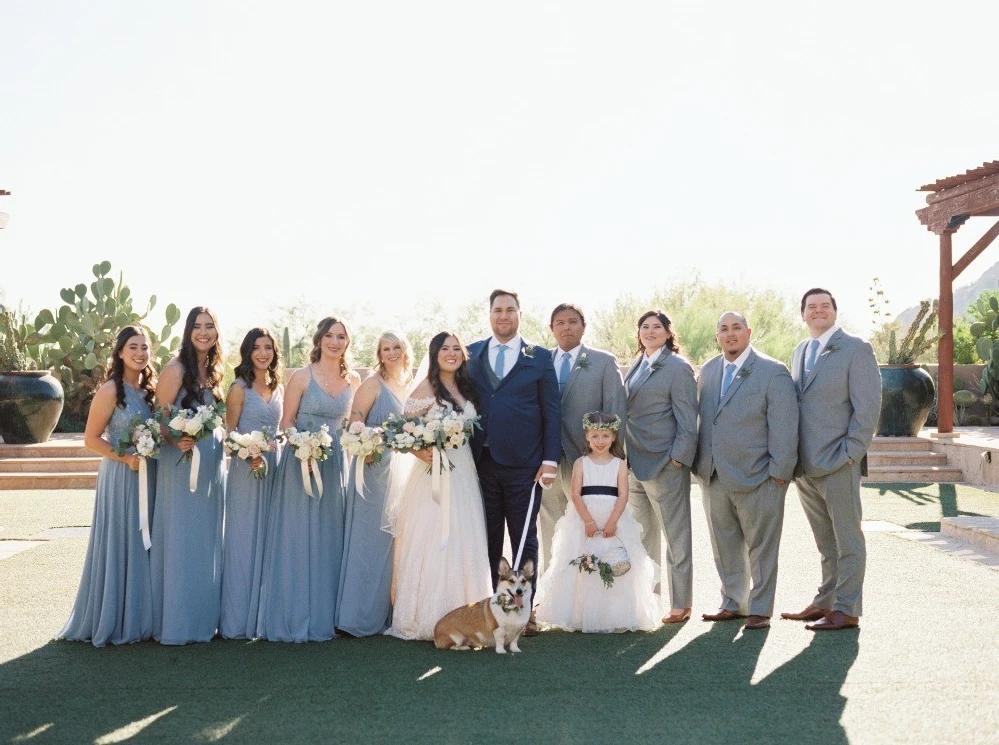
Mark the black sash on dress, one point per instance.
(610, 491)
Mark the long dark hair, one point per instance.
(116, 370)
(672, 343)
(321, 328)
(245, 370)
(461, 376)
(188, 357)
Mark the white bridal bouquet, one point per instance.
(144, 440)
(309, 448)
(439, 428)
(252, 446)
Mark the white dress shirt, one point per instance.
(509, 358)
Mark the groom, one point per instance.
(519, 403)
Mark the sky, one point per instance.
(366, 157)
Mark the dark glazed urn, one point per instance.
(30, 405)
(906, 400)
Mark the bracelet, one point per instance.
(590, 522)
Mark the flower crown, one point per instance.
(589, 424)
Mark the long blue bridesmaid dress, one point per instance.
(187, 543)
(247, 502)
(364, 605)
(304, 544)
(114, 602)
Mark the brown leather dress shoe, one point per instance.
(678, 617)
(811, 613)
(835, 621)
(721, 615)
(757, 622)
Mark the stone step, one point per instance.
(58, 446)
(913, 473)
(48, 465)
(903, 458)
(980, 532)
(47, 481)
(908, 444)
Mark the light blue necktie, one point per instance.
(563, 371)
(640, 371)
(813, 349)
(500, 361)
(727, 379)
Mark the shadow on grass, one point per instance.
(563, 688)
(929, 495)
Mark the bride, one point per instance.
(434, 574)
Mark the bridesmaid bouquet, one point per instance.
(196, 424)
(250, 447)
(144, 438)
(310, 447)
(360, 441)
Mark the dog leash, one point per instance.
(527, 521)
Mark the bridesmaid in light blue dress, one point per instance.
(364, 604)
(114, 602)
(304, 545)
(187, 526)
(254, 403)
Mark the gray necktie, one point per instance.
(727, 379)
(500, 361)
(563, 371)
(813, 349)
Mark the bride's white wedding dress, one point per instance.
(431, 579)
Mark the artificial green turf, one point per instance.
(923, 667)
(920, 506)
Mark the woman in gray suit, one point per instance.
(661, 442)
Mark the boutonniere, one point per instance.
(582, 363)
(744, 373)
(830, 349)
(658, 364)
(528, 351)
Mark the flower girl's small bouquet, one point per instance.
(197, 424)
(591, 563)
(251, 446)
(309, 448)
(144, 440)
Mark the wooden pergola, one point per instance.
(951, 202)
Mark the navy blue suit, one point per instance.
(521, 427)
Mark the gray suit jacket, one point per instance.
(594, 385)
(752, 433)
(840, 404)
(662, 415)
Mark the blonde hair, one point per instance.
(394, 337)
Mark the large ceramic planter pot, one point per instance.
(30, 405)
(906, 400)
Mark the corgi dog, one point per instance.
(494, 622)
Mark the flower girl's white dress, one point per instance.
(577, 601)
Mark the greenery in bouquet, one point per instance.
(197, 423)
(591, 563)
(144, 438)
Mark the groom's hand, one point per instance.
(546, 475)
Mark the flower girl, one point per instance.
(588, 585)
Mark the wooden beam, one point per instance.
(937, 216)
(945, 348)
(975, 251)
(961, 189)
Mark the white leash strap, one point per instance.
(527, 522)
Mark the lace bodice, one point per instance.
(415, 406)
(135, 404)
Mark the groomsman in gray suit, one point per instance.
(839, 395)
(661, 442)
(589, 380)
(747, 448)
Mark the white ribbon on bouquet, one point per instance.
(307, 477)
(440, 487)
(192, 481)
(144, 503)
